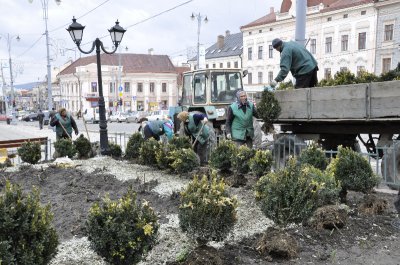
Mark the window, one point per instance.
(260, 77)
(386, 64)
(127, 86)
(329, 19)
(328, 45)
(236, 64)
(270, 76)
(228, 65)
(93, 86)
(164, 87)
(343, 69)
(260, 31)
(345, 43)
(250, 78)
(214, 65)
(112, 87)
(270, 51)
(360, 69)
(388, 32)
(140, 87)
(260, 52)
(250, 53)
(363, 12)
(249, 32)
(327, 73)
(140, 105)
(345, 15)
(221, 65)
(224, 86)
(151, 87)
(313, 46)
(200, 88)
(362, 38)
(206, 65)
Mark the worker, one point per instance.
(239, 120)
(154, 129)
(299, 61)
(196, 128)
(64, 123)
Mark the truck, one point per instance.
(344, 115)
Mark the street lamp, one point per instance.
(199, 18)
(116, 32)
(9, 39)
(45, 6)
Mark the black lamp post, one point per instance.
(116, 32)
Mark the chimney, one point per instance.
(227, 33)
(271, 10)
(220, 41)
(150, 51)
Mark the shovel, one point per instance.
(195, 140)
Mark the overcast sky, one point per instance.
(170, 33)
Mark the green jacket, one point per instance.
(242, 124)
(194, 130)
(66, 123)
(296, 59)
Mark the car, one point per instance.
(137, 116)
(118, 117)
(92, 115)
(157, 115)
(30, 117)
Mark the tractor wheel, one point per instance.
(258, 134)
(285, 146)
(390, 166)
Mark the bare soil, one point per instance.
(365, 239)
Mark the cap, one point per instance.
(276, 43)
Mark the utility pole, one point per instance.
(4, 89)
(199, 18)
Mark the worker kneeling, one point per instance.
(196, 128)
(154, 129)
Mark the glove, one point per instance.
(273, 83)
(204, 121)
(229, 136)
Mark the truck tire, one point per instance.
(287, 145)
(258, 134)
(392, 173)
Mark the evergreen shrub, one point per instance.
(261, 163)
(268, 110)
(26, 232)
(122, 231)
(314, 156)
(206, 211)
(65, 147)
(115, 150)
(181, 142)
(133, 146)
(183, 160)
(30, 152)
(241, 161)
(147, 152)
(221, 156)
(83, 146)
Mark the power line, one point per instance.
(41, 36)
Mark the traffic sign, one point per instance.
(133, 97)
(120, 94)
(120, 89)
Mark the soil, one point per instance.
(366, 238)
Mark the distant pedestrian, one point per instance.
(40, 116)
(64, 124)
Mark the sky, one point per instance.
(163, 25)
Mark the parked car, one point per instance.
(93, 115)
(118, 117)
(137, 116)
(30, 117)
(157, 115)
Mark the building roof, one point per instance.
(329, 5)
(232, 46)
(131, 63)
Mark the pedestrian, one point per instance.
(40, 116)
(299, 61)
(196, 128)
(154, 129)
(239, 120)
(64, 124)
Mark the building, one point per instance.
(341, 34)
(225, 53)
(147, 82)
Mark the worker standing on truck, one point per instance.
(195, 127)
(239, 120)
(154, 129)
(299, 61)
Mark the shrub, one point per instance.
(181, 142)
(261, 163)
(184, 160)
(240, 161)
(164, 161)
(82, 146)
(285, 85)
(30, 152)
(64, 147)
(221, 156)
(115, 149)
(122, 231)
(290, 194)
(365, 77)
(344, 78)
(147, 152)
(133, 146)
(314, 156)
(26, 235)
(269, 110)
(353, 171)
(207, 212)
